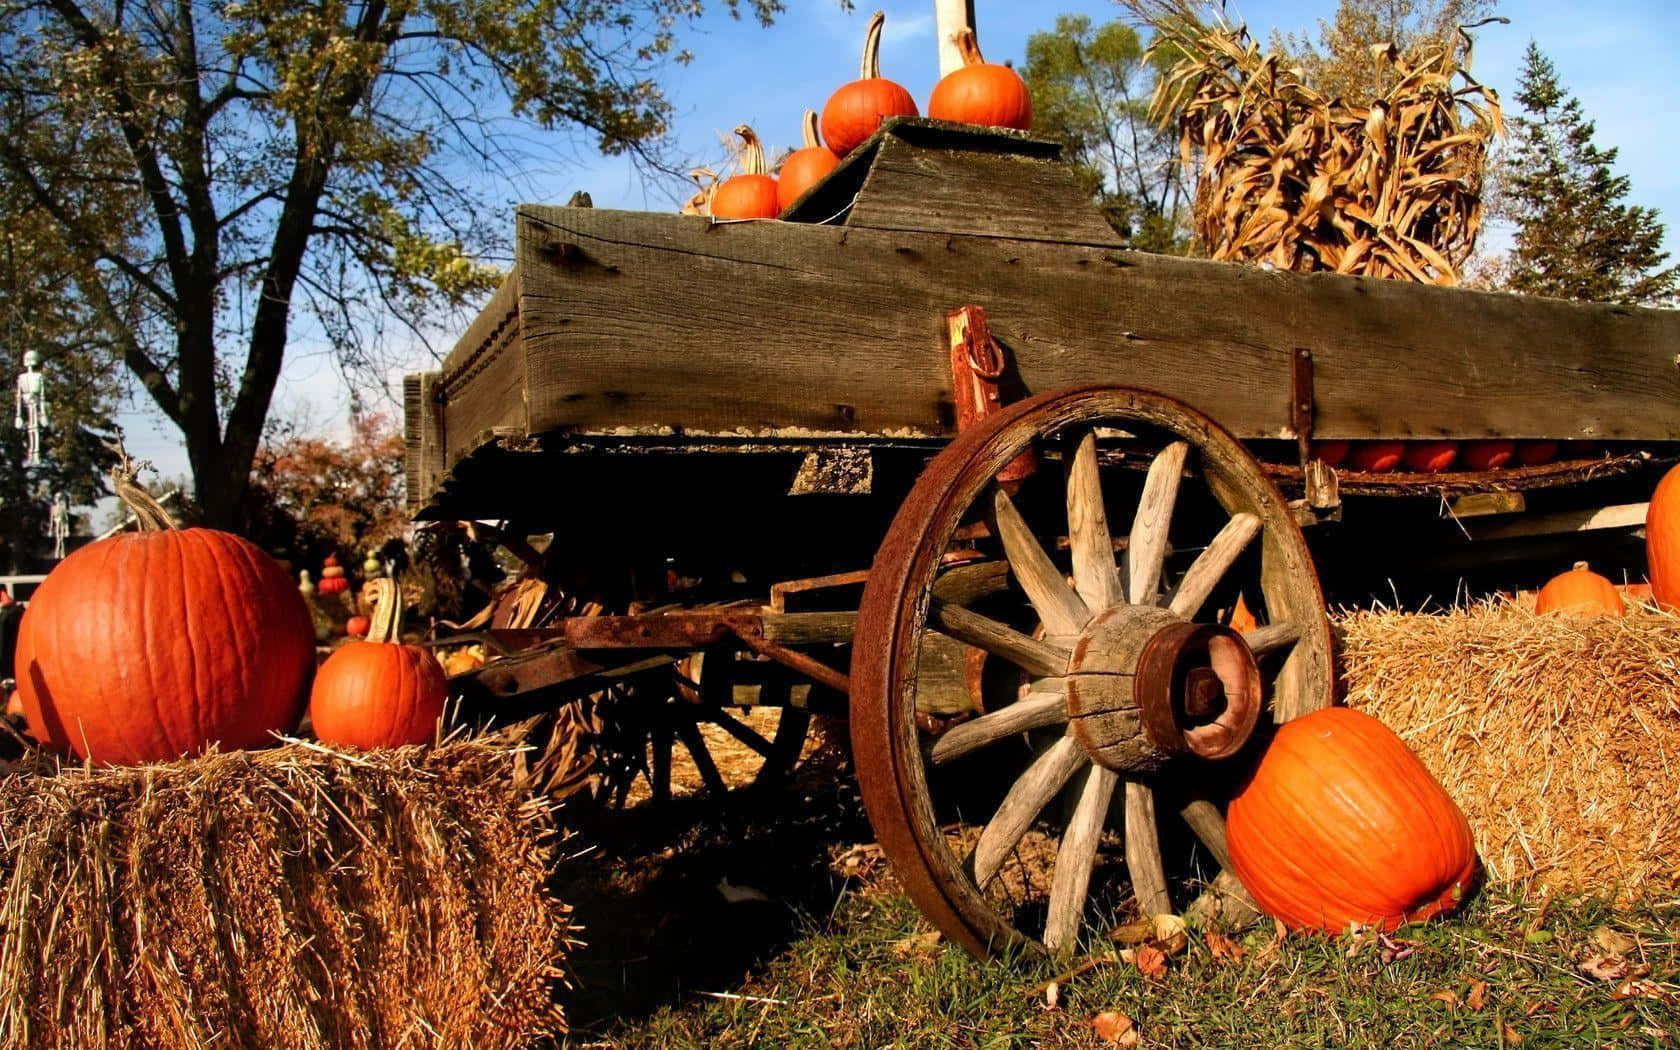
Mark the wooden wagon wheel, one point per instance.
(1131, 682)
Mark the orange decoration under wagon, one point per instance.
(1579, 592)
(1341, 824)
(1430, 457)
(854, 111)
(1376, 457)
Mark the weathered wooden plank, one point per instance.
(483, 383)
(1583, 519)
(422, 438)
(653, 323)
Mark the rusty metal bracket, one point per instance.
(1323, 493)
(977, 363)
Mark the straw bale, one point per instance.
(1560, 737)
(289, 898)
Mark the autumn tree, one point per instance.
(1576, 238)
(1091, 87)
(257, 165)
(1342, 62)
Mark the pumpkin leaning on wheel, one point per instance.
(155, 644)
(379, 692)
(1662, 540)
(1340, 824)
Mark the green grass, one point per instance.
(865, 975)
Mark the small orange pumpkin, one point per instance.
(356, 626)
(855, 110)
(1534, 453)
(751, 194)
(1431, 457)
(1580, 592)
(1488, 455)
(1333, 453)
(805, 167)
(1662, 540)
(379, 692)
(981, 93)
(1376, 457)
(1340, 823)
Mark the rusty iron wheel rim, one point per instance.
(895, 606)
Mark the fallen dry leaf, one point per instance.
(917, 945)
(1114, 1027)
(1509, 1035)
(1477, 997)
(1150, 961)
(1614, 942)
(1639, 989)
(1605, 967)
(1171, 935)
(1393, 949)
(1133, 933)
(1052, 995)
(1446, 996)
(1224, 948)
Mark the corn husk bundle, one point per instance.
(1559, 737)
(290, 898)
(1388, 187)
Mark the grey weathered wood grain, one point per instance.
(1033, 711)
(1061, 610)
(1076, 856)
(1041, 782)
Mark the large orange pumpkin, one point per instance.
(1340, 823)
(855, 110)
(1488, 455)
(979, 92)
(378, 693)
(155, 644)
(1431, 457)
(1580, 592)
(805, 167)
(1662, 540)
(751, 194)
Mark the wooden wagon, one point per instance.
(939, 453)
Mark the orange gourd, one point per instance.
(1534, 453)
(855, 110)
(1242, 618)
(981, 93)
(1376, 457)
(751, 194)
(1580, 592)
(1340, 823)
(805, 167)
(378, 693)
(1430, 457)
(1488, 455)
(1333, 453)
(155, 644)
(357, 626)
(1662, 540)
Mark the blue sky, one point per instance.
(1613, 54)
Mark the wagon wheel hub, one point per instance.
(1144, 686)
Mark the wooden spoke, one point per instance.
(741, 731)
(696, 745)
(1096, 572)
(1048, 774)
(1265, 639)
(1146, 550)
(1213, 563)
(1058, 606)
(1030, 712)
(1074, 860)
(1039, 659)
(659, 776)
(1143, 851)
(1208, 823)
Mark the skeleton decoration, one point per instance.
(30, 406)
(60, 525)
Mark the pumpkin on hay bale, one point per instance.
(291, 898)
(1559, 736)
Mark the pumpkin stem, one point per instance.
(147, 511)
(969, 45)
(812, 140)
(870, 69)
(385, 625)
(1580, 566)
(752, 152)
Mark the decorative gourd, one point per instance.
(1579, 592)
(155, 644)
(1534, 453)
(1242, 618)
(372, 567)
(1333, 453)
(857, 109)
(332, 578)
(357, 626)
(805, 167)
(1376, 457)
(1340, 823)
(751, 194)
(378, 693)
(1430, 457)
(1488, 455)
(470, 658)
(979, 92)
(1662, 540)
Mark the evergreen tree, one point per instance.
(1575, 238)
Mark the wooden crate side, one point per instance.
(422, 438)
(638, 323)
(483, 383)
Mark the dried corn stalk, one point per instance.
(1386, 188)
